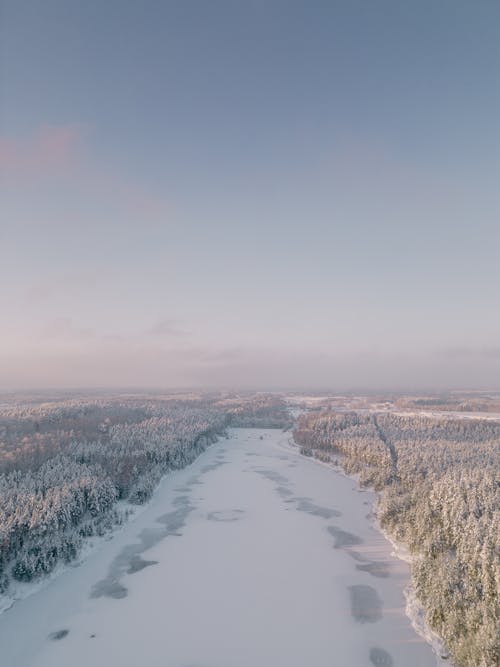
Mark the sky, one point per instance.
(259, 194)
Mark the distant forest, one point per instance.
(438, 479)
(65, 465)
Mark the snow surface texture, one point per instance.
(251, 556)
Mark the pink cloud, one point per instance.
(54, 151)
(50, 149)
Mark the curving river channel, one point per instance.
(252, 557)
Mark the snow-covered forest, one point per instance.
(71, 468)
(64, 465)
(438, 484)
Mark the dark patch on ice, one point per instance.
(176, 520)
(129, 560)
(180, 500)
(193, 481)
(284, 492)
(92, 636)
(109, 588)
(306, 505)
(375, 568)
(380, 657)
(366, 605)
(281, 481)
(137, 564)
(251, 454)
(225, 515)
(149, 537)
(272, 475)
(343, 538)
(58, 634)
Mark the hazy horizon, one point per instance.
(252, 195)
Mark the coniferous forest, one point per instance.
(438, 485)
(71, 469)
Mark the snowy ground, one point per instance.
(252, 556)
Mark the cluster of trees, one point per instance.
(257, 411)
(64, 466)
(438, 484)
(456, 402)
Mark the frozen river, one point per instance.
(252, 557)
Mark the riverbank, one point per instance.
(414, 608)
(251, 555)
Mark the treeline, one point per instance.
(451, 403)
(438, 483)
(65, 466)
(257, 411)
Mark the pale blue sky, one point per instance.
(257, 193)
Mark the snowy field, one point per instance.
(252, 557)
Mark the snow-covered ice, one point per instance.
(252, 556)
